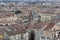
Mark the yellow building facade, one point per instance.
(46, 16)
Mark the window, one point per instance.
(46, 19)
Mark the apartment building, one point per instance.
(47, 16)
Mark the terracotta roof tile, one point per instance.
(50, 25)
(16, 32)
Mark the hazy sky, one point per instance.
(29, 0)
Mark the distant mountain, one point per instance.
(30, 0)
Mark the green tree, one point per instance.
(18, 11)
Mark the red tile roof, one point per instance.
(2, 31)
(50, 25)
(16, 32)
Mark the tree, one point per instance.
(18, 11)
(39, 17)
(2, 5)
(32, 35)
(56, 6)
